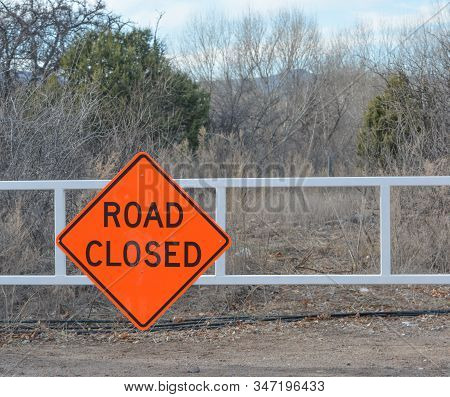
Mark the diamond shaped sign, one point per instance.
(143, 241)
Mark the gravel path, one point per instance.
(417, 346)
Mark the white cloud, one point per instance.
(331, 14)
(407, 16)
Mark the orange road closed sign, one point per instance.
(143, 241)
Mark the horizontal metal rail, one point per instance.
(205, 183)
(257, 279)
(59, 187)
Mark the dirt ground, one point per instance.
(407, 346)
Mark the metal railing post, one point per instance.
(60, 223)
(385, 229)
(221, 219)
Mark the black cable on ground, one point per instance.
(98, 326)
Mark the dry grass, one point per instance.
(328, 231)
(420, 230)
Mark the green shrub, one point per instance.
(386, 123)
(133, 73)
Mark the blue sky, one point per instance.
(331, 15)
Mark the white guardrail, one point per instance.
(220, 185)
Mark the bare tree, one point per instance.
(419, 53)
(261, 74)
(34, 34)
